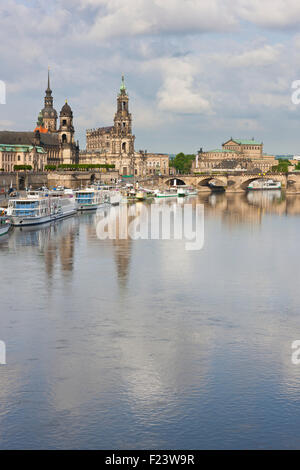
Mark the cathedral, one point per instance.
(114, 145)
(52, 142)
(46, 145)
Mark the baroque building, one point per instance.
(235, 154)
(115, 145)
(46, 144)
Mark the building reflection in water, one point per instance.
(53, 241)
(57, 241)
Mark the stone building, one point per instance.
(235, 154)
(57, 144)
(115, 145)
(11, 155)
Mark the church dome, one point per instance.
(66, 110)
(49, 113)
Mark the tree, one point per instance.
(182, 163)
(282, 167)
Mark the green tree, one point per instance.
(182, 163)
(22, 167)
(282, 166)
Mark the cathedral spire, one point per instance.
(123, 87)
(48, 91)
(48, 112)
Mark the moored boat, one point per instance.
(90, 199)
(183, 191)
(263, 184)
(62, 207)
(29, 211)
(5, 225)
(166, 193)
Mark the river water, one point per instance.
(131, 344)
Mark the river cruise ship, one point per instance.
(29, 211)
(62, 207)
(90, 199)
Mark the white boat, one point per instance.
(166, 193)
(90, 199)
(261, 184)
(115, 197)
(62, 207)
(29, 211)
(5, 226)
(183, 191)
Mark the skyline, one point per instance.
(196, 74)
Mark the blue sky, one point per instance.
(197, 72)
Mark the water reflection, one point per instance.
(134, 344)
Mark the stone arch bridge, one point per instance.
(231, 182)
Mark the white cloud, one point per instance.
(270, 13)
(263, 56)
(137, 17)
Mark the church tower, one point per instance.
(49, 114)
(122, 120)
(66, 135)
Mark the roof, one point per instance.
(66, 110)
(20, 148)
(13, 137)
(41, 129)
(105, 130)
(219, 151)
(27, 138)
(244, 142)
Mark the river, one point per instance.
(132, 344)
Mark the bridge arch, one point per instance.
(245, 183)
(205, 181)
(179, 182)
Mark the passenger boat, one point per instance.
(262, 184)
(29, 211)
(62, 207)
(140, 196)
(183, 191)
(90, 199)
(166, 193)
(5, 226)
(115, 197)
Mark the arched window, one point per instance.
(124, 146)
(64, 138)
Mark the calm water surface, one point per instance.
(142, 344)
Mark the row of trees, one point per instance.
(80, 167)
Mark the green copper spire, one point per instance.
(40, 121)
(123, 87)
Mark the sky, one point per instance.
(198, 72)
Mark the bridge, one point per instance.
(232, 183)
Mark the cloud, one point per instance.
(143, 17)
(275, 14)
(178, 95)
(263, 56)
